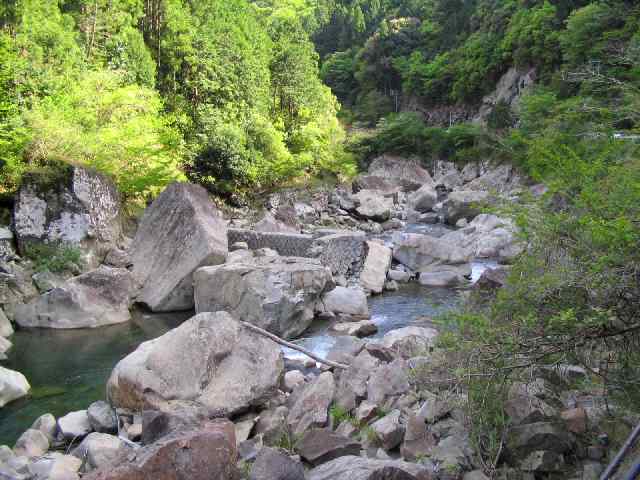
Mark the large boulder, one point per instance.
(375, 268)
(423, 199)
(445, 275)
(407, 174)
(463, 204)
(277, 294)
(74, 425)
(181, 231)
(211, 360)
(274, 464)
(422, 252)
(373, 205)
(208, 453)
(360, 468)
(78, 207)
(97, 298)
(410, 341)
(13, 385)
(351, 301)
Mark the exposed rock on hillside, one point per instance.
(80, 207)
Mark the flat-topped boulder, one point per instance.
(79, 207)
(211, 360)
(181, 231)
(97, 298)
(275, 293)
(421, 252)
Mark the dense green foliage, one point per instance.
(224, 92)
(377, 55)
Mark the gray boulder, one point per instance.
(81, 207)
(525, 439)
(422, 252)
(32, 443)
(6, 330)
(181, 231)
(309, 406)
(389, 431)
(388, 380)
(274, 464)
(351, 301)
(463, 204)
(102, 417)
(359, 329)
(445, 276)
(405, 173)
(277, 294)
(359, 468)
(410, 341)
(74, 425)
(210, 360)
(46, 424)
(13, 385)
(376, 265)
(423, 199)
(320, 445)
(373, 205)
(352, 382)
(97, 298)
(99, 450)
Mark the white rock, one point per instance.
(352, 301)
(376, 266)
(74, 425)
(13, 385)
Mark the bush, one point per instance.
(54, 257)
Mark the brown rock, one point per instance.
(575, 420)
(321, 445)
(208, 453)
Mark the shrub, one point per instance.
(54, 257)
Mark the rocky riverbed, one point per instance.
(355, 274)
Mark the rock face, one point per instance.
(210, 360)
(97, 298)
(463, 204)
(376, 266)
(80, 207)
(180, 232)
(13, 385)
(351, 301)
(208, 453)
(359, 468)
(277, 294)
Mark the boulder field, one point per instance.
(214, 398)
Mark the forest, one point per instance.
(246, 96)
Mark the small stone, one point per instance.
(6, 330)
(32, 443)
(346, 429)
(74, 425)
(46, 281)
(321, 445)
(102, 417)
(595, 452)
(5, 453)
(292, 379)
(366, 412)
(399, 276)
(389, 431)
(360, 329)
(274, 464)
(391, 286)
(243, 427)
(46, 424)
(118, 258)
(134, 431)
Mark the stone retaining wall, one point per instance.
(342, 252)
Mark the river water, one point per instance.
(68, 369)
